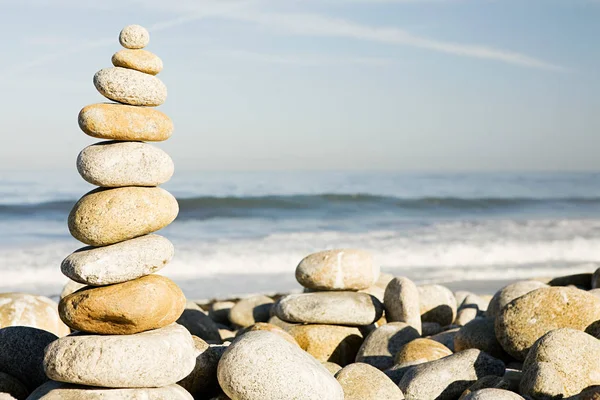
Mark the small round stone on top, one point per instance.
(134, 37)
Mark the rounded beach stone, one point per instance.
(529, 317)
(139, 60)
(199, 324)
(149, 302)
(203, 378)
(119, 262)
(420, 351)
(560, 364)
(128, 86)
(118, 164)
(265, 326)
(12, 387)
(479, 334)
(149, 359)
(437, 304)
(280, 323)
(64, 391)
(340, 269)
(108, 216)
(70, 287)
(487, 382)
(363, 382)
(251, 310)
(331, 367)
(336, 308)
(22, 354)
(123, 122)
(510, 292)
(401, 301)
(334, 343)
(380, 347)
(446, 337)
(21, 309)
(134, 37)
(468, 310)
(219, 311)
(447, 378)
(261, 365)
(492, 394)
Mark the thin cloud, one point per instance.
(300, 59)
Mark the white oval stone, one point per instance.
(63, 391)
(119, 262)
(131, 87)
(118, 164)
(262, 365)
(134, 37)
(153, 358)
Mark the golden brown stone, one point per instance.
(138, 59)
(421, 350)
(335, 343)
(108, 216)
(123, 122)
(150, 302)
(265, 326)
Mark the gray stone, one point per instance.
(437, 304)
(149, 359)
(479, 334)
(199, 324)
(251, 310)
(431, 328)
(401, 302)
(581, 281)
(64, 391)
(134, 37)
(219, 311)
(380, 347)
(560, 364)
(510, 292)
(128, 86)
(447, 378)
(596, 279)
(203, 379)
(493, 394)
(468, 310)
(446, 337)
(336, 308)
(529, 317)
(22, 354)
(261, 365)
(118, 164)
(119, 262)
(487, 382)
(12, 387)
(363, 382)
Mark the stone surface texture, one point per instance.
(128, 86)
(363, 382)
(139, 60)
(401, 301)
(21, 309)
(134, 37)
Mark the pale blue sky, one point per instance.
(319, 84)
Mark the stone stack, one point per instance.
(127, 343)
(334, 317)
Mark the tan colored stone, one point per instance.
(331, 367)
(20, 309)
(479, 334)
(492, 394)
(64, 391)
(510, 292)
(468, 310)
(265, 326)
(363, 382)
(128, 86)
(123, 122)
(134, 37)
(149, 302)
(437, 304)
(381, 345)
(401, 301)
(529, 317)
(421, 350)
(140, 60)
(108, 216)
(340, 269)
(335, 343)
(251, 310)
(487, 382)
(378, 289)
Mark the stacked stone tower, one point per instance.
(126, 338)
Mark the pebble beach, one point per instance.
(339, 327)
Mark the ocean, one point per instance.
(240, 233)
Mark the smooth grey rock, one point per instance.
(261, 365)
(336, 308)
(493, 394)
(199, 324)
(363, 382)
(251, 310)
(134, 37)
(510, 292)
(447, 378)
(12, 387)
(437, 304)
(120, 262)
(380, 347)
(22, 354)
(153, 358)
(118, 164)
(581, 281)
(401, 301)
(340, 269)
(431, 328)
(128, 86)
(596, 279)
(219, 311)
(203, 379)
(468, 310)
(64, 391)
(446, 337)
(487, 382)
(560, 364)
(479, 334)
